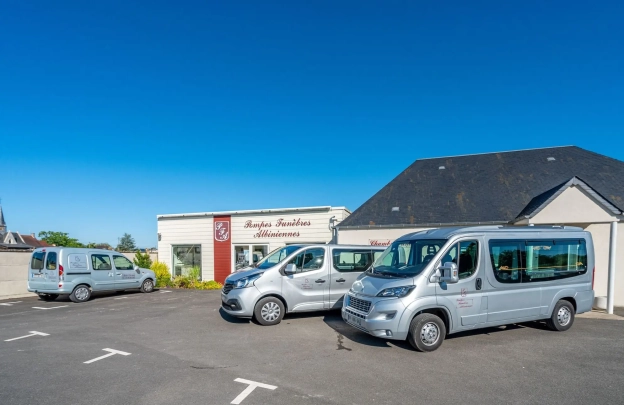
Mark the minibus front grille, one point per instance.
(358, 304)
(227, 288)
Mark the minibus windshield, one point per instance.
(406, 258)
(276, 257)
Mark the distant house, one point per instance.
(549, 186)
(16, 241)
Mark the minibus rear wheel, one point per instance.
(426, 332)
(562, 316)
(269, 311)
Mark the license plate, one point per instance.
(37, 275)
(354, 319)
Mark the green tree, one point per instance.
(143, 260)
(59, 239)
(126, 244)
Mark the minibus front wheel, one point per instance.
(426, 332)
(269, 311)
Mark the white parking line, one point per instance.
(8, 304)
(32, 333)
(120, 298)
(252, 386)
(62, 306)
(164, 291)
(112, 353)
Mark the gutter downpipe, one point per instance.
(612, 254)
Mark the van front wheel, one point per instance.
(269, 311)
(426, 332)
(562, 316)
(147, 286)
(81, 293)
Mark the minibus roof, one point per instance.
(445, 233)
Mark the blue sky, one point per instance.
(116, 111)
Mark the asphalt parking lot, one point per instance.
(177, 347)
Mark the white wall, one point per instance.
(573, 206)
(364, 236)
(14, 275)
(187, 231)
(601, 236)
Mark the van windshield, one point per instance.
(406, 258)
(276, 257)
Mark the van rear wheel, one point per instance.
(48, 297)
(81, 293)
(269, 311)
(426, 332)
(562, 316)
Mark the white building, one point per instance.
(551, 186)
(219, 242)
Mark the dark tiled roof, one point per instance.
(494, 187)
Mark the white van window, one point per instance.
(122, 263)
(101, 262)
(51, 261)
(548, 260)
(309, 259)
(347, 260)
(36, 262)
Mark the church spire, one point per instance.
(2, 223)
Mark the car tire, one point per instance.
(562, 316)
(81, 293)
(269, 311)
(147, 286)
(48, 297)
(426, 332)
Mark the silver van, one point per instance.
(432, 283)
(295, 278)
(55, 271)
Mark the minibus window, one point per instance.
(548, 260)
(406, 258)
(506, 260)
(36, 263)
(276, 257)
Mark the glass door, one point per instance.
(187, 261)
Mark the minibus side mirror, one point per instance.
(290, 268)
(450, 273)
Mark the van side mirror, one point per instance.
(290, 268)
(450, 273)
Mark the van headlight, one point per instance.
(246, 281)
(398, 292)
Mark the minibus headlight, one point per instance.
(246, 281)
(398, 292)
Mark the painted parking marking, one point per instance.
(252, 386)
(32, 333)
(120, 298)
(112, 352)
(164, 292)
(62, 306)
(8, 304)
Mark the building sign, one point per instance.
(379, 242)
(222, 231)
(282, 228)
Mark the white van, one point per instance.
(432, 283)
(55, 271)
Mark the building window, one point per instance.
(186, 260)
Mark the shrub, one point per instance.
(209, 285)
(181, 282)
(163, 276)
(143, 260)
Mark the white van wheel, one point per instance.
(426, 332)
(81, 293)
(269, 311)
(147, 286)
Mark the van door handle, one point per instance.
(478, 284)
(341, 280)
(320, 280)
(119, 274)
